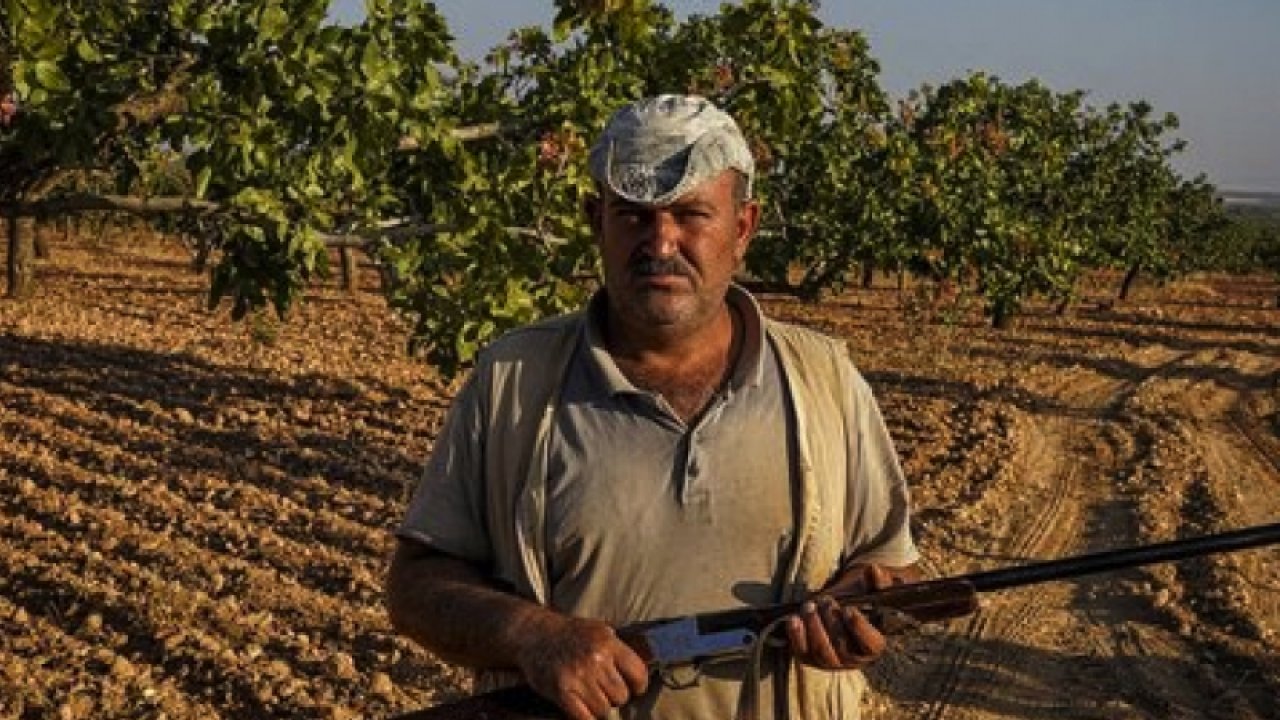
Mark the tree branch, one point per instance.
(394, 231)
(142, 206)
(169, 99)
(467, 133)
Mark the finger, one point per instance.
(850, 582)
(821, 652)
(634, 672)
(575, 709)
(579, 694)
(878, 578)
(614, 687)
(595, 700)
(796, 635)
(866, 640)
(860, 579)
(834, 623)
(856, 642)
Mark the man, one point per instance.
(664, 452)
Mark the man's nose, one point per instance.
(663, 238)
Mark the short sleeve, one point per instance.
(879, 518)
(447, 510)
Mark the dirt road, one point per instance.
(1149, 423)
(194, 515)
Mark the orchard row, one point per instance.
(269, 131)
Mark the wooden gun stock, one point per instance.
(514, 703)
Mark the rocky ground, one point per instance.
(195, 514)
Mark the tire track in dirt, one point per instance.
(937, 683)
(1181, 483)
(1138, 618)
(990, 638)
(1163, 412)
(1228, 606)
(996, 662)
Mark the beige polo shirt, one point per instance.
(651, 518)
(647, 517)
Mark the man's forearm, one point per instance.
(449, 607)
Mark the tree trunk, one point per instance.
(868, 274)
(348, 268)
(1065, 302)
(21, 281)
(1129, 277)
(203, 248)
(104, 228)
(40, 239)
(1001, 316)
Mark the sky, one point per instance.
(1213, 64)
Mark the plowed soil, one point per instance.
(195, 513)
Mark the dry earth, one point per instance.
(194, 514)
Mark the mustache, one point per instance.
(647, 266)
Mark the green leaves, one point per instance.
(86, 51)
(299, 129)
(1002, 187)
(273, 22)
(46, 75)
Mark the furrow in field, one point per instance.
(136, 559)
(195, 467)
(43, 667)
(108, 532)
(250, 535)
(235, 634)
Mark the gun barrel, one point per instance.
(1162, 552)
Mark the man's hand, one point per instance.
(825, 635)
(451, 608)
(581, 665)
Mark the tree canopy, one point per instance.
(275, 132)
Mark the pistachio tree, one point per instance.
(1133, 213)
(281, 135)
(286, 123)
(1000, 188)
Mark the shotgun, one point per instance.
(696, 638)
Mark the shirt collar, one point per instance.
(749, 370)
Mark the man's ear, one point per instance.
(748, 222)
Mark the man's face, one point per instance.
(669, 266)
